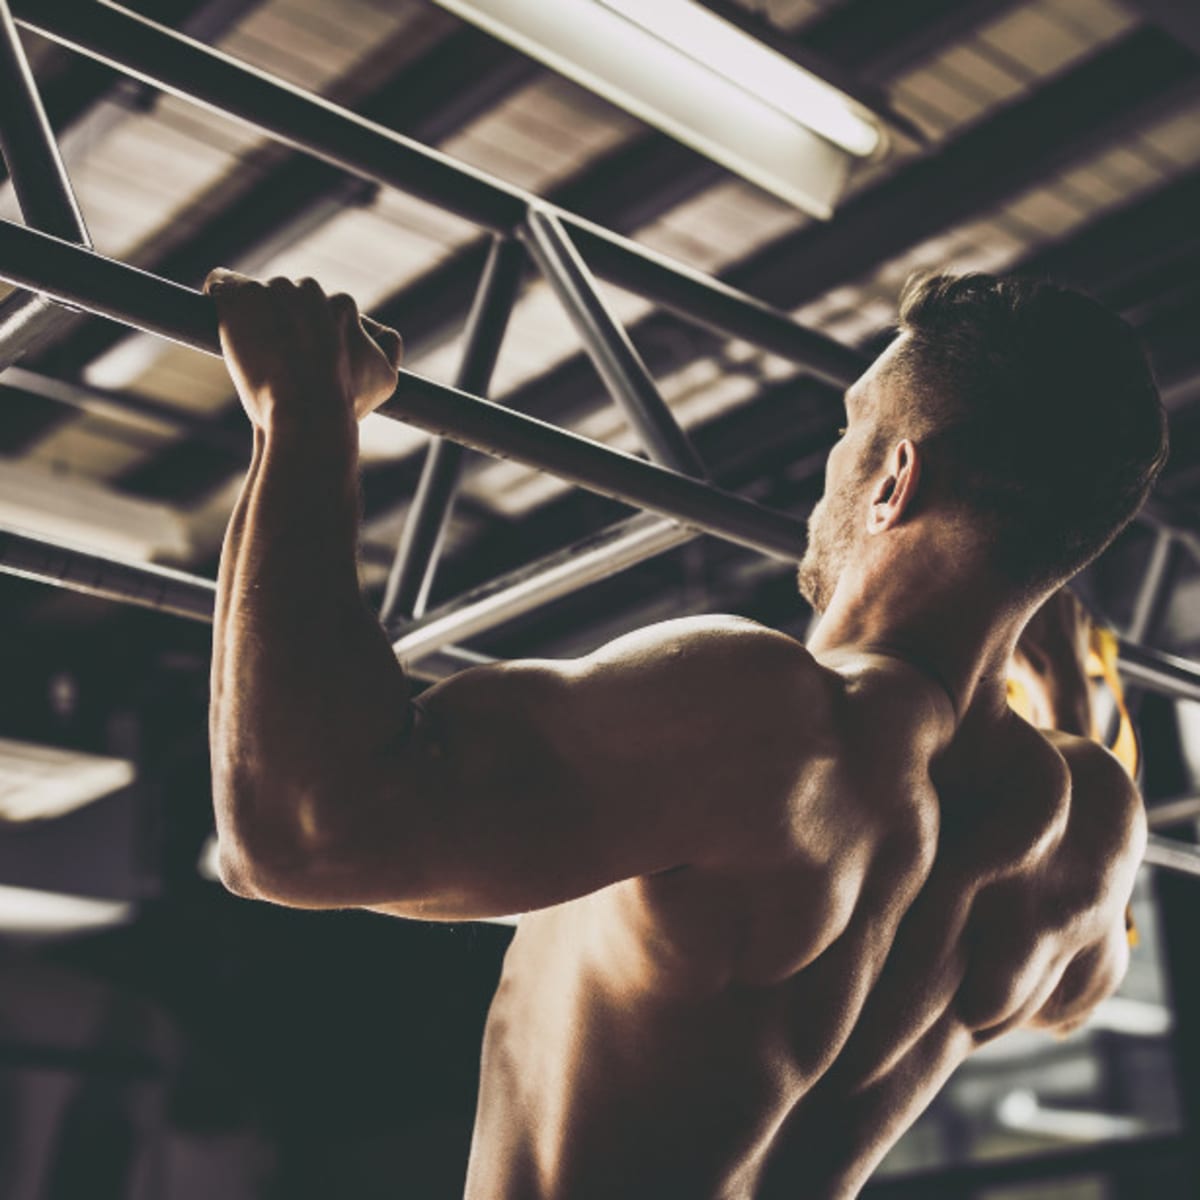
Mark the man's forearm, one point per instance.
(306, 689)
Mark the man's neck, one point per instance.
(953, 632)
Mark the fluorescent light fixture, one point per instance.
(63, 507)
(34, 913)
(39, 782)
(701, 79)
(749, 64)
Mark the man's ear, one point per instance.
(895, 493)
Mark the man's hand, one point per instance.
(299, 358)
(1050, 660)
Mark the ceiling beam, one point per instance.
(462, 77)
(1063, 122)
(628, 189)
(1179, 18)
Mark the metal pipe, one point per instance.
(60, 564)
(84, 279)
(147, 585)
(25, 318)
(156, 305)
(174, 63)
(712, 303)
(1168, 854)
(126, 408)
(412, 573)
(40, 183)
(537, 583)
(35, 167)
(965, 1178)
(607, 344)
(1160, 672)
(1173, 812)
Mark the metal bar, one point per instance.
(126, 408)
(412, 573)
(1180, 857)
(175, 63)
(495, 430)
(1149, 602)
(528, 587)
(607, 344)
(146, 585)
(710, 302)
(60, 564)
(137, 298)
(40, 182)
(1173, 812)
(1160, 672)
(1149, 609)
(84, 279)
(25, 318)
(1056, 1164)
(186, 68)
(35, 167)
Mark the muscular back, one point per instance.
(726, 1030)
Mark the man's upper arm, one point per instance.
(525, 784)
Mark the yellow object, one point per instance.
(1101, 667)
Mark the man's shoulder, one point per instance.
(1097, 776)
(1107, 812)
(736, 657)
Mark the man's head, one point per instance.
(1019, 414)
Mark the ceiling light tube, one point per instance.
(701, 79)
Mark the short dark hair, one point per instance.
(1042, 415)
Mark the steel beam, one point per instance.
(194, 72)
(1140, 77)
(461, 77)
(27, 319)
(74, 276)
(878, 39)
(1179, 857)
(1055, 1164)
(146, 585)
(39, 180)
(35, 167)
(1166, 813)
(131, 410)
(1060, 123)
(1159, 672)
(411, 576)
(608, 345)
(537, 583)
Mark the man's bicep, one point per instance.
(529, 783)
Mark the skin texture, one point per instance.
(774, 894)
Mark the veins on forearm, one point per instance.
(305, 682)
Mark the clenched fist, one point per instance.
(301, 359)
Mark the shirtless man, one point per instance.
(775, 894)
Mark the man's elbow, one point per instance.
(235, 872)
(270, 861)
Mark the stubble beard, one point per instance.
(830, 543)
(813, 573)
